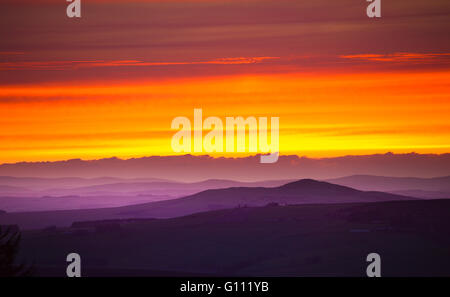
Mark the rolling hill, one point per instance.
(431, 188)
(66, 194)
(300, 192)
(412, 237)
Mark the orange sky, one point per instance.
(110, 83)
(320, 114)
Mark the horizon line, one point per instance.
(226, 157)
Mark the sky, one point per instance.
(110, 83)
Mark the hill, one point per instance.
(171, 188)
(190, 168)
(299, 192)
(437, 187)
(412, 238)
(66, 194)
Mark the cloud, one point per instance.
(145, 39)
(11, 53)
(402, 57)
(62, 65)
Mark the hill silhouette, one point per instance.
(171, 188)
(298, 240)
(191, 168)
(432, 188)
(299, 192)
(75, 193)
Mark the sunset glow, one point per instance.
(110, 83)
(320, 114)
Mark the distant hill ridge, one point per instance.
(426, 188)
(195, 168)
(305, 191)
(314, 185)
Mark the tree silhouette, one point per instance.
(9, 247)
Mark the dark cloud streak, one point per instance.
(192, 31)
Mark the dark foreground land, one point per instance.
(412, 238)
